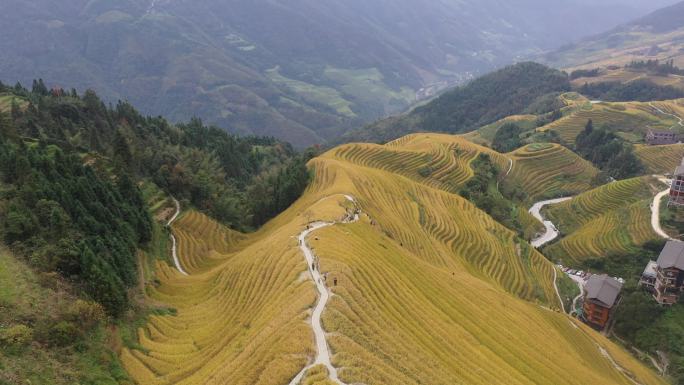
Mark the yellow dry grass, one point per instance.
(430, 290)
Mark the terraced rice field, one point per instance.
(660, 159)
(440, 161)
(630, 119)
(549, 171)
(614, 218)
(623, 75)
(429, 290)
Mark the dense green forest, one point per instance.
(509, 91)
(206, 166)
(507, 138)
(656, 67)
(64, 217)
(70, 168)
(638, 90)
(584, 73)
(610, 153)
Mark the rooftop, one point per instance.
(603, 289)
(672, 254)
(661, 132)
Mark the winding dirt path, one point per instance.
(174, 243)
(322, 349)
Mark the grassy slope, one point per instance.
(24, 301)
(414, 274)
(610, 219)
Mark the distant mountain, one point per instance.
(659, 35)
(509, 91)
(300, 70)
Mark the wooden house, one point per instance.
(601, 296)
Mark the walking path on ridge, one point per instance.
(322, 349)
(174, 251)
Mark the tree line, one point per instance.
(70, 169)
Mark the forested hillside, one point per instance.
(302, 71)
(509, 91)
(213, 170)
(80, 182)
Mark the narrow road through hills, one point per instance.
(174, 251)
(681, 121)
(551, 232)
(322, 349)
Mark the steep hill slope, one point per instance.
(303, 71)
(660, 159)
(611, 219)
(485, 100)
(656, 36)
(409, 281)
(630, 120)
(544, 170)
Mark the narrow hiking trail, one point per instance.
(322, 349)
(551, 232)
(510, 168)
(174, 243)
(681, 121)
(560, 299)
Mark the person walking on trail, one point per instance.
(313, 266)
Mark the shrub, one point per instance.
(16, 336)
(85, 314)
(63, 333)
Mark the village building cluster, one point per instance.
(664, 278)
